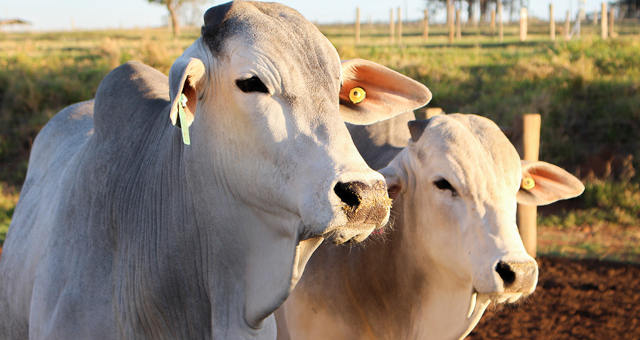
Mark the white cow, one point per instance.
(453, 248)
(123, 231)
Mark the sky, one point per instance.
(92, 14)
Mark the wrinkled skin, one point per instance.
(453, 248)
(124, 232)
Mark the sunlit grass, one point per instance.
(8, 200)
(605, 241)
(587, 91)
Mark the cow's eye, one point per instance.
(253, 84)
(443, 184)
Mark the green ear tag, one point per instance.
(183, 119)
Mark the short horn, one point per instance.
(416, 128)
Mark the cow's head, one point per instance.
(467, 179)
(266, 96)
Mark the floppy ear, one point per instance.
(371, 92)
(184, 76)
(395, 178)
(187, 71)
(544, 183)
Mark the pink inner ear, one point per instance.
(192, 100)
(551, 184)
(393, 191)
(382, 84)
(542, 175)
(381, 78)
(388, 93)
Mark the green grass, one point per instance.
(8, 200)
(42, 73)
(600, 240)
(602, 202)
(587, 91)
(602, 223)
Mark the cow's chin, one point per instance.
(349, 233)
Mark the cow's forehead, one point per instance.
(291, 42)
(476, 148)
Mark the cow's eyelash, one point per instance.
(443, 184)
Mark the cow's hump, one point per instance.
(130, 96)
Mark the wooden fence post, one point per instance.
(357, 25)
(458, 26)
(523, 24)
(500, 28)
(612, 34)
(578, 23)
(493, 22)
(527, 214)
(425, 31)
(399, 25)
(603, 21)
(567, 27)
(552, 24)
(392, 26)
(450, 22)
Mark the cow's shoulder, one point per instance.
(128, 98)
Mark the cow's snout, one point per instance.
(364, 203)
(518, 277)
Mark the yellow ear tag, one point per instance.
(528, 183)
(357, 95)
(183, 119)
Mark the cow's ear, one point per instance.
(188, 70)
(544, 183)
(184, 77)
(371, 92)
(396, 179)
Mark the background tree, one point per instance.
(484, 6)
(627, 8)
(434, 6)
(173, 6)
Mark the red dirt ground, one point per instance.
(575, 299)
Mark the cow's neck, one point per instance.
(222, 254)
(250, 266)
(444, 298)
(156, 245)
(250, 255)
(398, 294)
(439, 298)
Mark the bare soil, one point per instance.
(575, 299)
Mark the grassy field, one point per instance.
(587, 91)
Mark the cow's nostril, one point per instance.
(506, 273)
(348, 193)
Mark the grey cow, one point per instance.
(125, 231)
